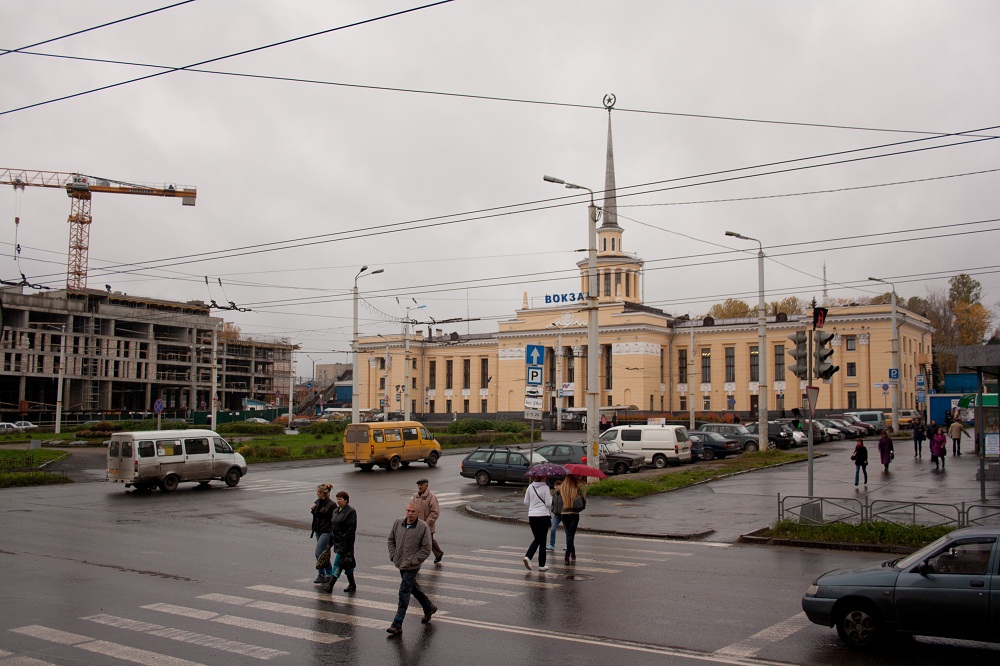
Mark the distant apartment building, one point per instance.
(121, 353)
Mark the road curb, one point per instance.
(756, 538)
(468, 510)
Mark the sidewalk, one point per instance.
(724, 510)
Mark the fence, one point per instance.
(854, 511)
(25, 463)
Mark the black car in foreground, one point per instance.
(715, 445)
(500, 464)
(948, 588)
(778, 435)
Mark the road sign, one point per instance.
(158, 406)
(921, 396)
(533, 414)
(534, 355)
(534, 375)
(893, 373)
(532, 403)
(885, 387)
(921, 381)
(533, 391)
(812, 392)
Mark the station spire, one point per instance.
(610, 197)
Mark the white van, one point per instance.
(661, 444)
(165, 458)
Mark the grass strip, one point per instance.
(877, 532)
(18, 479)
(625, 487)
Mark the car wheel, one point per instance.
(858, 625)
(366, 467)
(659, 462)
(483, 477)
(621, 468)
(232, 477)
(432, 459)
(771, 445)
(751, 447)
(170, 483)
(394, 464)
(708, 454)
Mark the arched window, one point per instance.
(612, 244)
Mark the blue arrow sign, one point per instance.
(534, 355)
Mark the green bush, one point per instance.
(472, 426)
(324, 428)
(876, 532)
(264, 452)
(244, 428)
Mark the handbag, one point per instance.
(323, 561)
(579, 503)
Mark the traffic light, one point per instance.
(822, 368)
(800, 354)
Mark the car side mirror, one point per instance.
(923, 568)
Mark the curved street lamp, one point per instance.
(355, 392)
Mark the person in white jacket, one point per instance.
(538, 499)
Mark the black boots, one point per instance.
(351, 587)
(328, 585)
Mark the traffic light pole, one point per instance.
(809, 414)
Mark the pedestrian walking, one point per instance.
(614, 420)
(573, 502)
(321, 510)
(343, 527)
(939, 448)
(885, 452)
(538, 499)
(919, 434)
(860, 458)
(429, 510)
(409, 546)
(955, 431)
(604, 422)
(556, 514)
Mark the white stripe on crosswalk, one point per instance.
(617, 553)
(184, 636)
(436, 584)
(510, 569)
(510, 582)
(750, 646)
(552, 557)
(323, 596)
(247, 623)
(298, 611)
(123, 652)
(11, 659)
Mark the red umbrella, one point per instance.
(577, 469)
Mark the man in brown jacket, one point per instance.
(955, 431)
(409, 546)
(428, 510)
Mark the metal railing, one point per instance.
(852, 510)
(25, 463)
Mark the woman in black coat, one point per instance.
(322, 509)
(343, 526)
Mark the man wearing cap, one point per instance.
(428, 511)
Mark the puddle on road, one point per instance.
(576, 577)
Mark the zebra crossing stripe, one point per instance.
(616, 552)
(552, 561)
(750, 646)
(323, 596)
(184, 636)
(299, 611)
(433, 575)
(123, 652)
(246, 623)
(10, 659)
(432, 584)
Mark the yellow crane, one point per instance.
(79, 189)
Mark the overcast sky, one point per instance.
(417, 143)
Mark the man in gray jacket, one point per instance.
(409, 546)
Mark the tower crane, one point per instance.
(79, 188)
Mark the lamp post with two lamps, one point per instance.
(895, 357)
(355, 392)
(593, 390)
(763, 435)
(406, 359)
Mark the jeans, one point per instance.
(555, 525)
(857, 473)
(407, 586)
(539, 530)
(570, 522)
(956, 447)
(322, 543)
(337, 569)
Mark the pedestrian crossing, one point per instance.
(268, 622)
(277, 486)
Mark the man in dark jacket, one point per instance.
(409, 546)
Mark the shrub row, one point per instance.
(244, 428)
(264, 452)
(472, 426)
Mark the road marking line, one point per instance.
(19, 660)
(751, 645)
(553, 562)
(324, 596)
(615, 551)
(123, 652)
(482, 579)
(552, 555)
(430, 583)
(182, 611)
(298, 611)
(279, 629)
(184, 636)
(617, 537)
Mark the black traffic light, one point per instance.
(800, 354)
(823, 369)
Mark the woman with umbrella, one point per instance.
(538, 499)
(572, 501)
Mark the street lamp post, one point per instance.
(355, 392)
(593, 390)
(763, 435)
(895, 356)
(388, 362)
(406, 360)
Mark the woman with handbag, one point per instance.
(885, 452)
(538, 499)
(322, 509)
(573, 502)
(860, 458)
(939, 448)
(343, 527)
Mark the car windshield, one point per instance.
(919, 556)
(612, 447)
(609, 436)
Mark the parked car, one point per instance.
(851, 430)
(715, 445)
(299, 423)
(621, 461)
(254, 419)
(500, 464)
(563, 454)
(947, 589)
(6, 428)
(906, 419)
(25, 425)
(736, 431)
(798, 426)
(843, 431)
(870, 429)
(778, 435)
